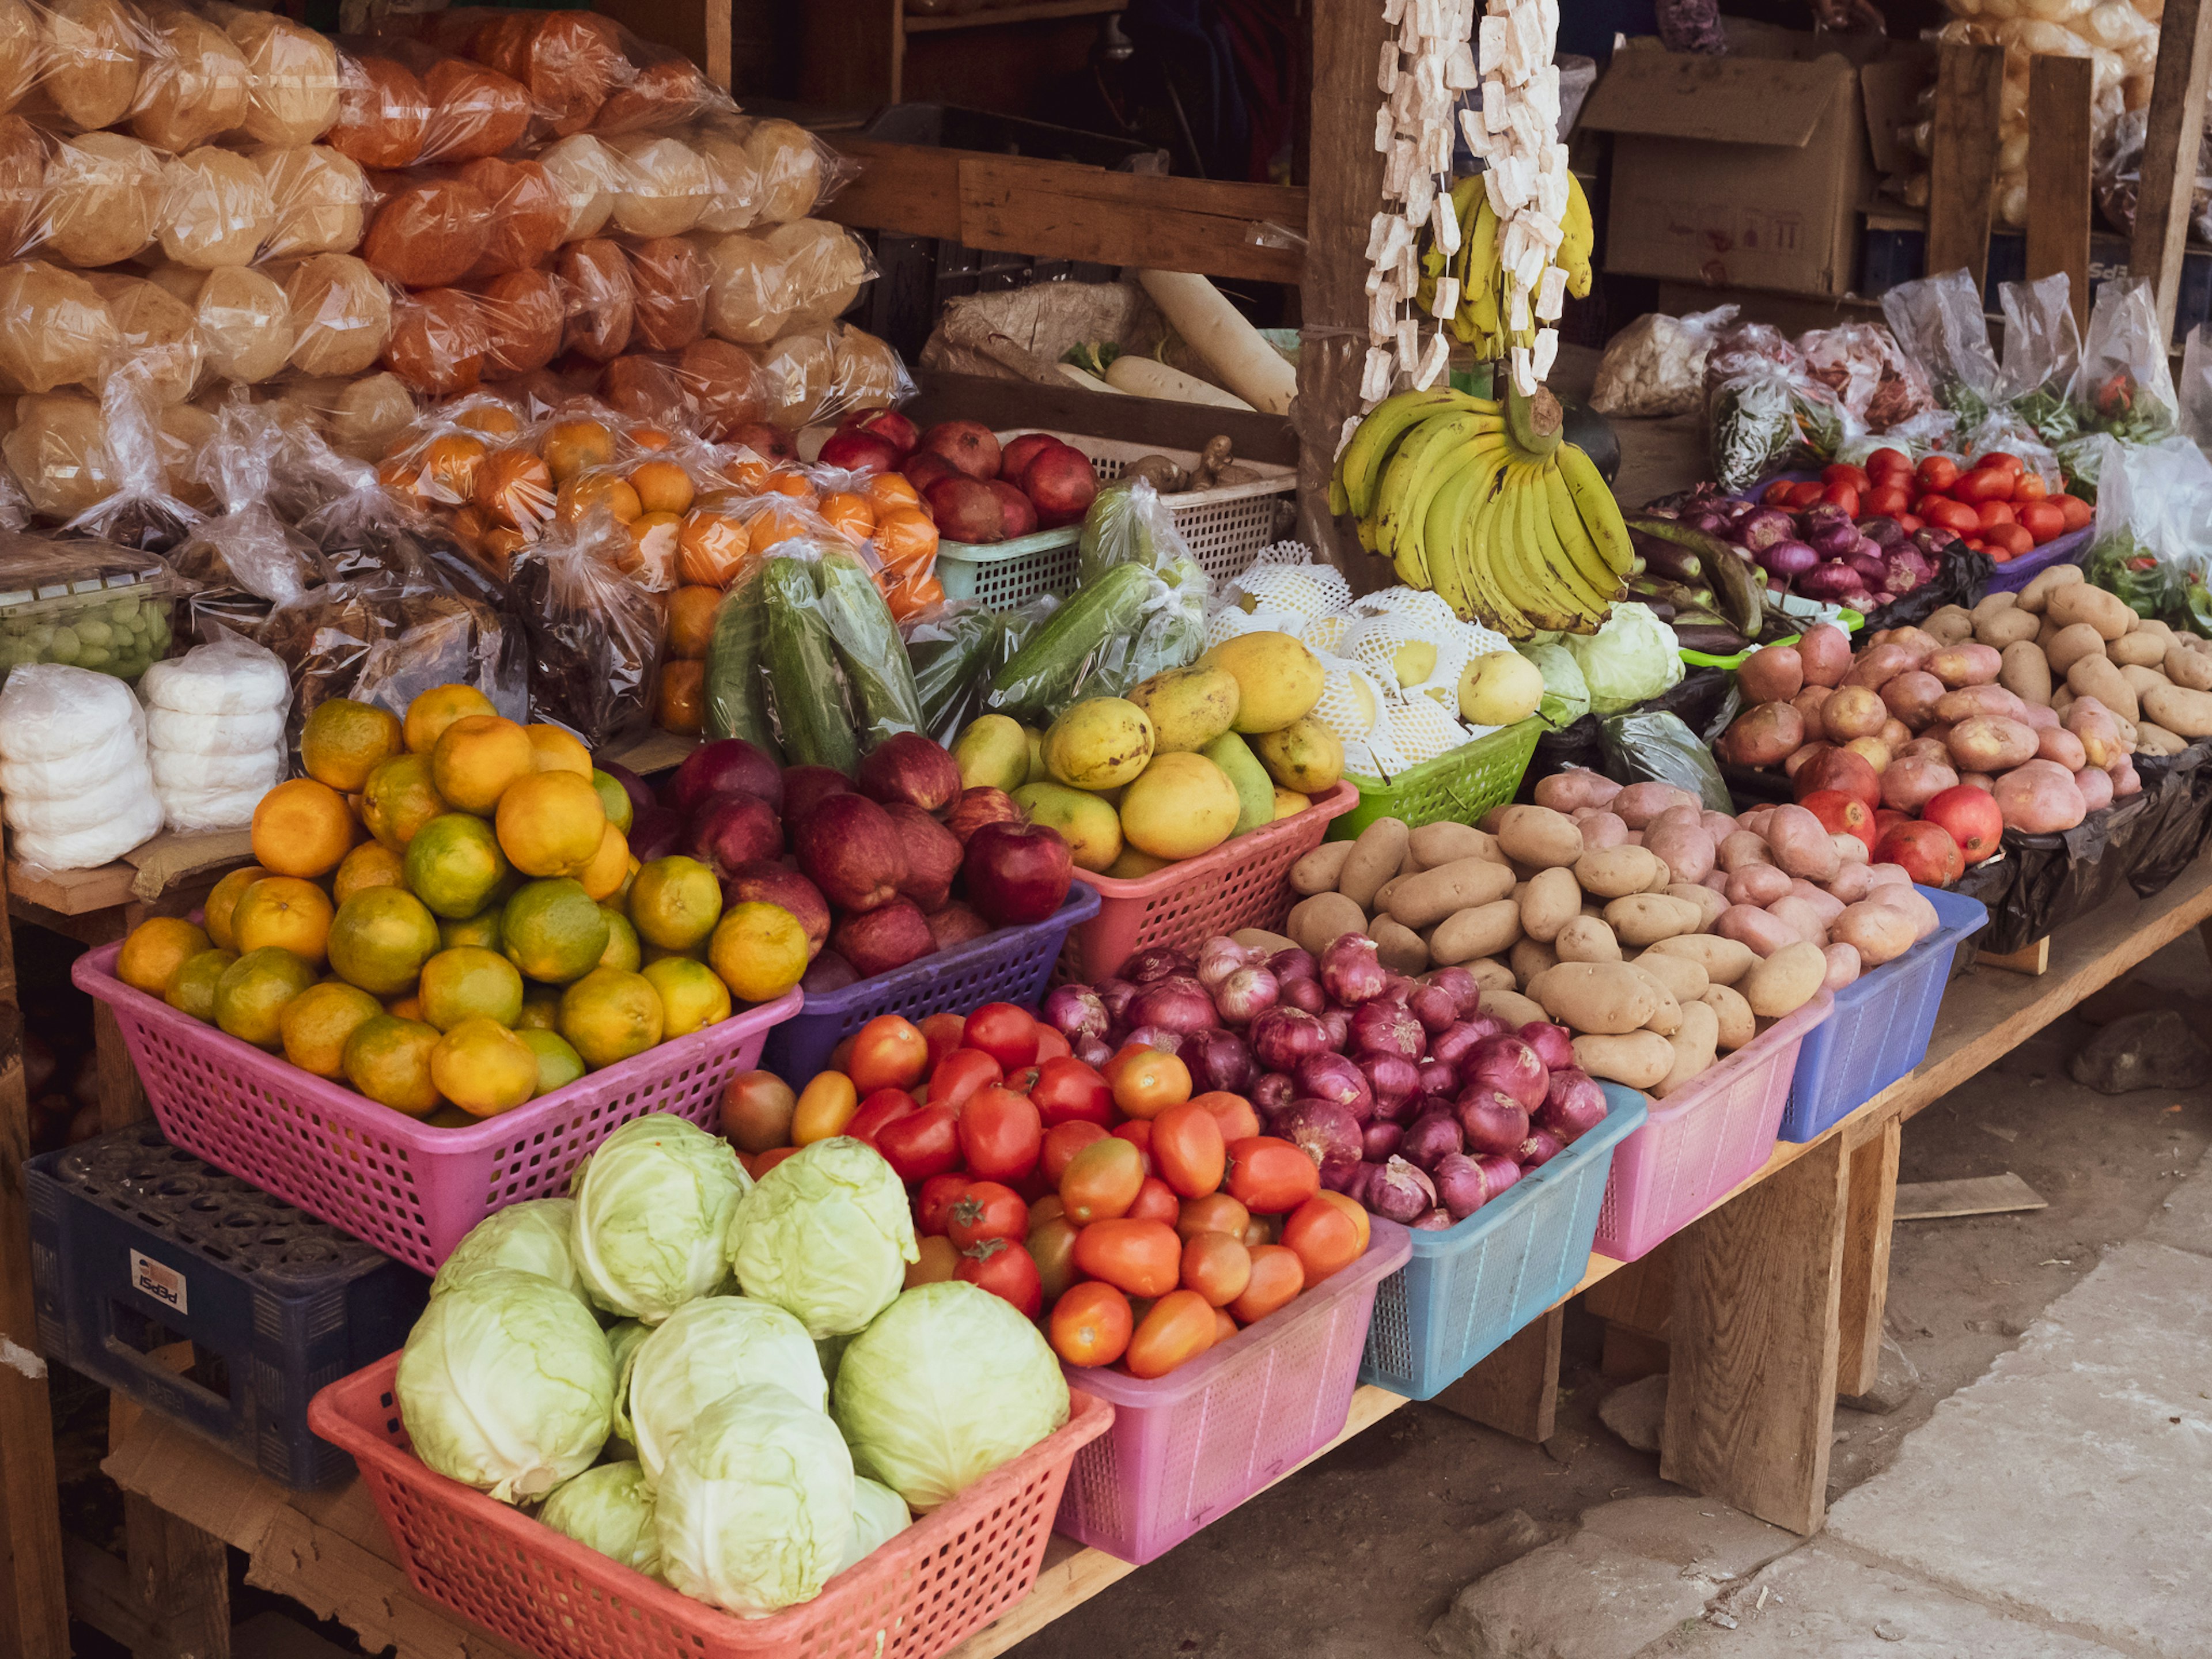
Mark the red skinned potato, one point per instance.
(1809, 702)
(1852, 883)
(1825, 651)
(1992, 743)
(1971, 700)
(2099, 731)
(1912, 697)
(2096, 788)
(2124, 780)
(1577, 787)
(1756, 820)
(1765, 736)
(1640, 802)
(1601, 829)
(1687, 851)
(1745, 849)
(1756, 884)
(1801, 844)
(1844, 966)
(1926, 749)
(1878, 665)
(1889, 875)
(1805, 757)
(1799, 918)
(1879, 932)
(1909, 784)
(1960, 666)
(1894, 734)
(1842, 770)
(1854, 711)
(2041, 797)
(1747, 925)
(1773, 673)
(1719, 825)
(1849, 847)
(1981, 781)
(2041, 716)
(2057, 744)
(1826, 905)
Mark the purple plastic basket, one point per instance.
(1187, 1447)
(2014, 574)
(412, 1190)
(1010, 965)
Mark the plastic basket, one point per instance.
(948, 1575)
(410, 1189)
(1467, 1288)
(1461, 785)
(1187, 1447)
(1243, 882)
(1883, 1022)
(2014, 574)
(1696, 1145)
(1010, 965)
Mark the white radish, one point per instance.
(1147, 377)
(1229, 344)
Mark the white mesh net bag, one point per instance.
(1351, 702)
(1388, 646)
(1325, 635)
(1420, 731)
(1227, 621)
(1286, 577)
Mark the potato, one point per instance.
(1411, 864)
(2082, 602)
(1401, 950)
(1425, 900)
(1586, 938)
(1804, 757)
(1375, 858)
(1970, 700)
(2036, 715)
(1773, 673)
(1844, 967)
(1539, 837)
(1562, 792)
(1662, 878)
(1491, 974)
(1993, 604)
(2141, 649)
(1480, 930)
(1684, 845)
(1754, 927)
(2096, 788)
(1601, 829)
(1530, 958)
(1912, 697)
(2180, 710)
(1765, 736)
(1708, 900)
(1851, 881)
(1669, 1013)
(1696, 1043)
(2046, 632)
(2152, 738)
(1319, 921)
(1647, 918)
(1826, 905)
(1724, 960)
(1799, 918)
(1436, 844)
(1607, 998)
(1737, 1025)
(2072, 644)
(2142, 681)
(2189, 669)
(1258, 938)
(1382, 894)
(2011, 626)
(1317, 872)
(2041, 799)
(1809, 702)
(1551, 901)
(1786, 981)
(1640, 1060)
(1879, 932)
(1801, 844)
(1757, 885)
(1965, 665)
(1992, 743)
(2037, 594)
(1684, 977)
(1826, 650)
(1854, 711)
(2099, 730)
(1878, 665)
(1951, 624)
(1513, 1008)
(1743, 850)
(2026, 673)
(2096, 677)
(1616, 871)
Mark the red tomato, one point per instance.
(1889, 464)
(1000, 1134)
(1322, 1237)
(1922, 503)
(955, 1079)
(1352, 1207)
(1269, 1177)
(1776, 494)
(841, 1057)
(1188, 1150)
(884, 1106)
(1067, 1091)
(1139, 1134)
(1954, 516)
(1091, 1325)
(1910, 522)
(2030, 487)
(1043, 1209)
(1062, 1142)
(1261, 1230)
(2003, 462)
(942, 1033)
(1006, 1033)
(2013, 538)
(888, 1053)
(1051, 1245)
(1006, 1271)
(921, 1143)
(2044, 520)
(1225, 1328)
(1993, 514)
(932, 1205)
(1843, 496)
(1804, 494)
(1156, 1201)
(1144, 1258)
(1178, 1328)
(1217, 1213)
(1277, 1276)
(1217, 1266)
(1102, 1180)
(1844, 472)
(1232, 1112)
(764, 1161)
(938, 1261)
(1984, 483)
(1147, 1082)
(1050, 1044)
(1936, 472)
(2079, 513)
(986, 1210)
(1887, 500)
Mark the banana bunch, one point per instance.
(1486, 317)
(1481, 503)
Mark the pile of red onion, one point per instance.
(1408, 1097)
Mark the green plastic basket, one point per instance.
(1462, 785)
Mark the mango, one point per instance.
(1304, 756)
(1098, 744)
(1289, 803)
(1088, 824)
(1255, 790)
(1134, 865)
(993, 752)
(1277, 678)
(1498, 688)
(1189, 708)
(1180, 807)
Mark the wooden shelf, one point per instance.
(1040, 11)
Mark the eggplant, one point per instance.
(1736, 589)
(1713, 640)
(1674, 564)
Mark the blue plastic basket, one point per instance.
(1011, 965)
(1469, 1288)
(1883, 1022)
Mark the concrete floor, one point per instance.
(2045, 1488)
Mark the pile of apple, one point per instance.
(880, 870)
(978, 489)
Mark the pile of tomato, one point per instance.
(1995, 505)
(1141, 1224)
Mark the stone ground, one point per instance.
(2041, 1487)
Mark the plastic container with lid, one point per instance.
(89, 605)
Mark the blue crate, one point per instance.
(1010, 965)
(1469, 1288)
(135, 1244)
(1882, 1024)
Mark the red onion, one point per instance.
(1156, 962)
(1406, 1110)
(1434, 1006)
(1465, 988)
(1399, 1192)
(1460, 1183)
(1498, 1172)
(1337, 1023)
(1282, 1038)
(1177, 1003)
(1218, 1060)
(1115, 995)
(1219, 958)
(1540, 1149)
(1350, 1179)
(1439, 1078)
(1760, 530)
(1429, 1139)
(1456, 1041)
(1304, 994)
(1379, 1139)
(1245, 995)
(1384, 1027)
(1393, 1080)
(1554, 1044)
(1333, 1077)
(1154, 1036)
(1074, 1010)
(1491, 1122)
(1322, 1129)
(1093, 1052)
(1294, 963)
(1509, 1065)
(1789, 558)
(1436, 1221)
(1272, 1091)
(1397, 987)
(1573, 1106)
(1351, 971)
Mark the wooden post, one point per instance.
(1962, 164)
(852, 52)
(1866, 1230)
(2058, 139)
(1515, 1390)
(1751, 1394)
(2175, 128)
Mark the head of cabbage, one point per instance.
(623, 1339)
(653, 1205)
(609, 1509)
(1567, 698)
(507, 1384)
(1631, 659)
(529, 1237)
(879, 1515)
(826, 1236)
(949, 1382)
(700, 1353)
(755, 1509)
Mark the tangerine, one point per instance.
(192, 988)
(906, 538)
(372, 863)
(614, 799)
(407, 1007)
(541, 1008)
(623, 950)
(434, 710)
(681, 703)
(449, 469)
(388, 1060)
(552, 824)
(398, 800)
(483, 1068)
(675, 903)
(604, 876)
(557, 749)
(558, 1063)
(652, 543)
(759, 950)
(250, 997)
(454, 865)
(317, 1023)
(710, 548)
(215, 915)
(888, 490)
(156, 949)
(343, 741)
(850, 515)
(662, 486)
(514, 489)
(379, 939)
(571, 446)
(608, 1015)
(284, 911)
(691, 621)
(302, 828)
(691, 997)
(553, 931)
(580, 494)
(748, 471)
(786, 481)
(476, 757)
(468, 983)
(650, 437)
(482, 928)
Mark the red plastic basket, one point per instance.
(412, 1190)
(945, 1576)
(1697, 1144)
(1244, 883)
(1187, 1447)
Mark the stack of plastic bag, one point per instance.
(73, 771)
(215, 732)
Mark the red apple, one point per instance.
(889, 936)
(1929, 854)
(932, 854)
(978, 806)
(765, 881)
(1062, 482)
(772, 444)
(848, 847)
(864, 452)
(805, 787)
(1972, 816)
(926, 469)
(654, 833)
(1016, 873)
(733, 828)
(639, 791)
(725, 763)
(907, 766)
(829, 972)
(1841, 814)
(956, 924)
(1019, 513)
(886, 423)
(1840, 769)
(970, 445)
(1018, 452)
(969, 512)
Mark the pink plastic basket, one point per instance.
(412, 1190)
(1697, 1144)
(948, 1575)
(1187, 1447)
(1244, 883)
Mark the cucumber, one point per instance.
(884, 700)
(951, 656)
(1041, 678)
(1255, 790)
(809, 690)
(737, 690)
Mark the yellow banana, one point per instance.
(1485, 532)
(1452, 561)
(1449, 478)
(1589, 601)
(1601, 513)
(1579, 238)
(1574, 541)
(1405, 514)
(1361, 464)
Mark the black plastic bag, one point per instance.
(1654, 746)
(1962, 578)
(1704, 699)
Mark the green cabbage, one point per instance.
(609, 1509)
(826, 1236)
(755, 1508)
(703, 1351)
(654, 1207)
(950, 1382)
(531, 1238)
(622, 1341)
(505, 1384)
(1566, 696)
(1632, 659)
(879, 1515)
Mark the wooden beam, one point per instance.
(1517, 1389)
(1962, 162)
(2059, 145)
(2174, 129)
(2030, 959)
(1866, 1230)
(1065, 408)
(1639, 1297)
(852, 53)
(700, 29)
(1016, 205)
(912, 189)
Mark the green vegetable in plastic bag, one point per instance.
(954, 648)
(1126, 524)
(1658, 748)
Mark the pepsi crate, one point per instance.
(137, 1246)
(1891, 253)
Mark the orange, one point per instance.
(156, 949)
(449, 468)
(317, 1024)
(407, 1007)
(691, 621)
(662, 486)
(302, 828)
(748, 471)
(343, 741)
(580, 495)
(470, 982)
(556, 750)
(850, 515)
(192, 986)
(514, 489)
(608, 1015)
(906, 539)
(604, 876)
(691, 997)
(573, 445)
(398, 800)
(649, 437)
(675, 903)
(553, 931)
(476, 757)
(759, 950)
(710, 547)
(623, 950)
(215, 913)
(454, 865)
(558, 1064)
(552, 824)
(779, 522)
(483, 1068)
(482, 928)
(614, 799)
(681, 705)
(401, 477)
(434, 710)
(541, 1009)
(251, 996)
(286, 911)
(388, 1060)
(380, 938)
(888, 490)
(652, 538)
(372, 863)
(797, 485)
(497, 420)
(466, 525)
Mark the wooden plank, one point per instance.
(2030, 959)
(1962, 163)
(1867, 1230)
(2174, 128)
(1626, 1355)
(1751, 1396)
(852, 52)
(1067, 408)
(1640, 1296)
(1517, 1389)
(102, 1594)
(2058, 146)
(182, 1577)
(1939, 1201)
(1016, 205)
(700, 29)
(1038, 11)
(911, 189)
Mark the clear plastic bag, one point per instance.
(954, 649)
(141, 513)
(2042, 355)
(772, 281)
(227, 684)
(2118, 175)
(2126, 387)
(1656, 367)
(104, 803)
(595, 636)
(820, 375)
(2195, 390)
(1765, 412)
(1939, 322)
(2153, 528)
(1876, 383)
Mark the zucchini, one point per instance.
(736, 689)
(884, 700)
(1041, 678)
(809, 690)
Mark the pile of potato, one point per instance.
(1660, 934)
